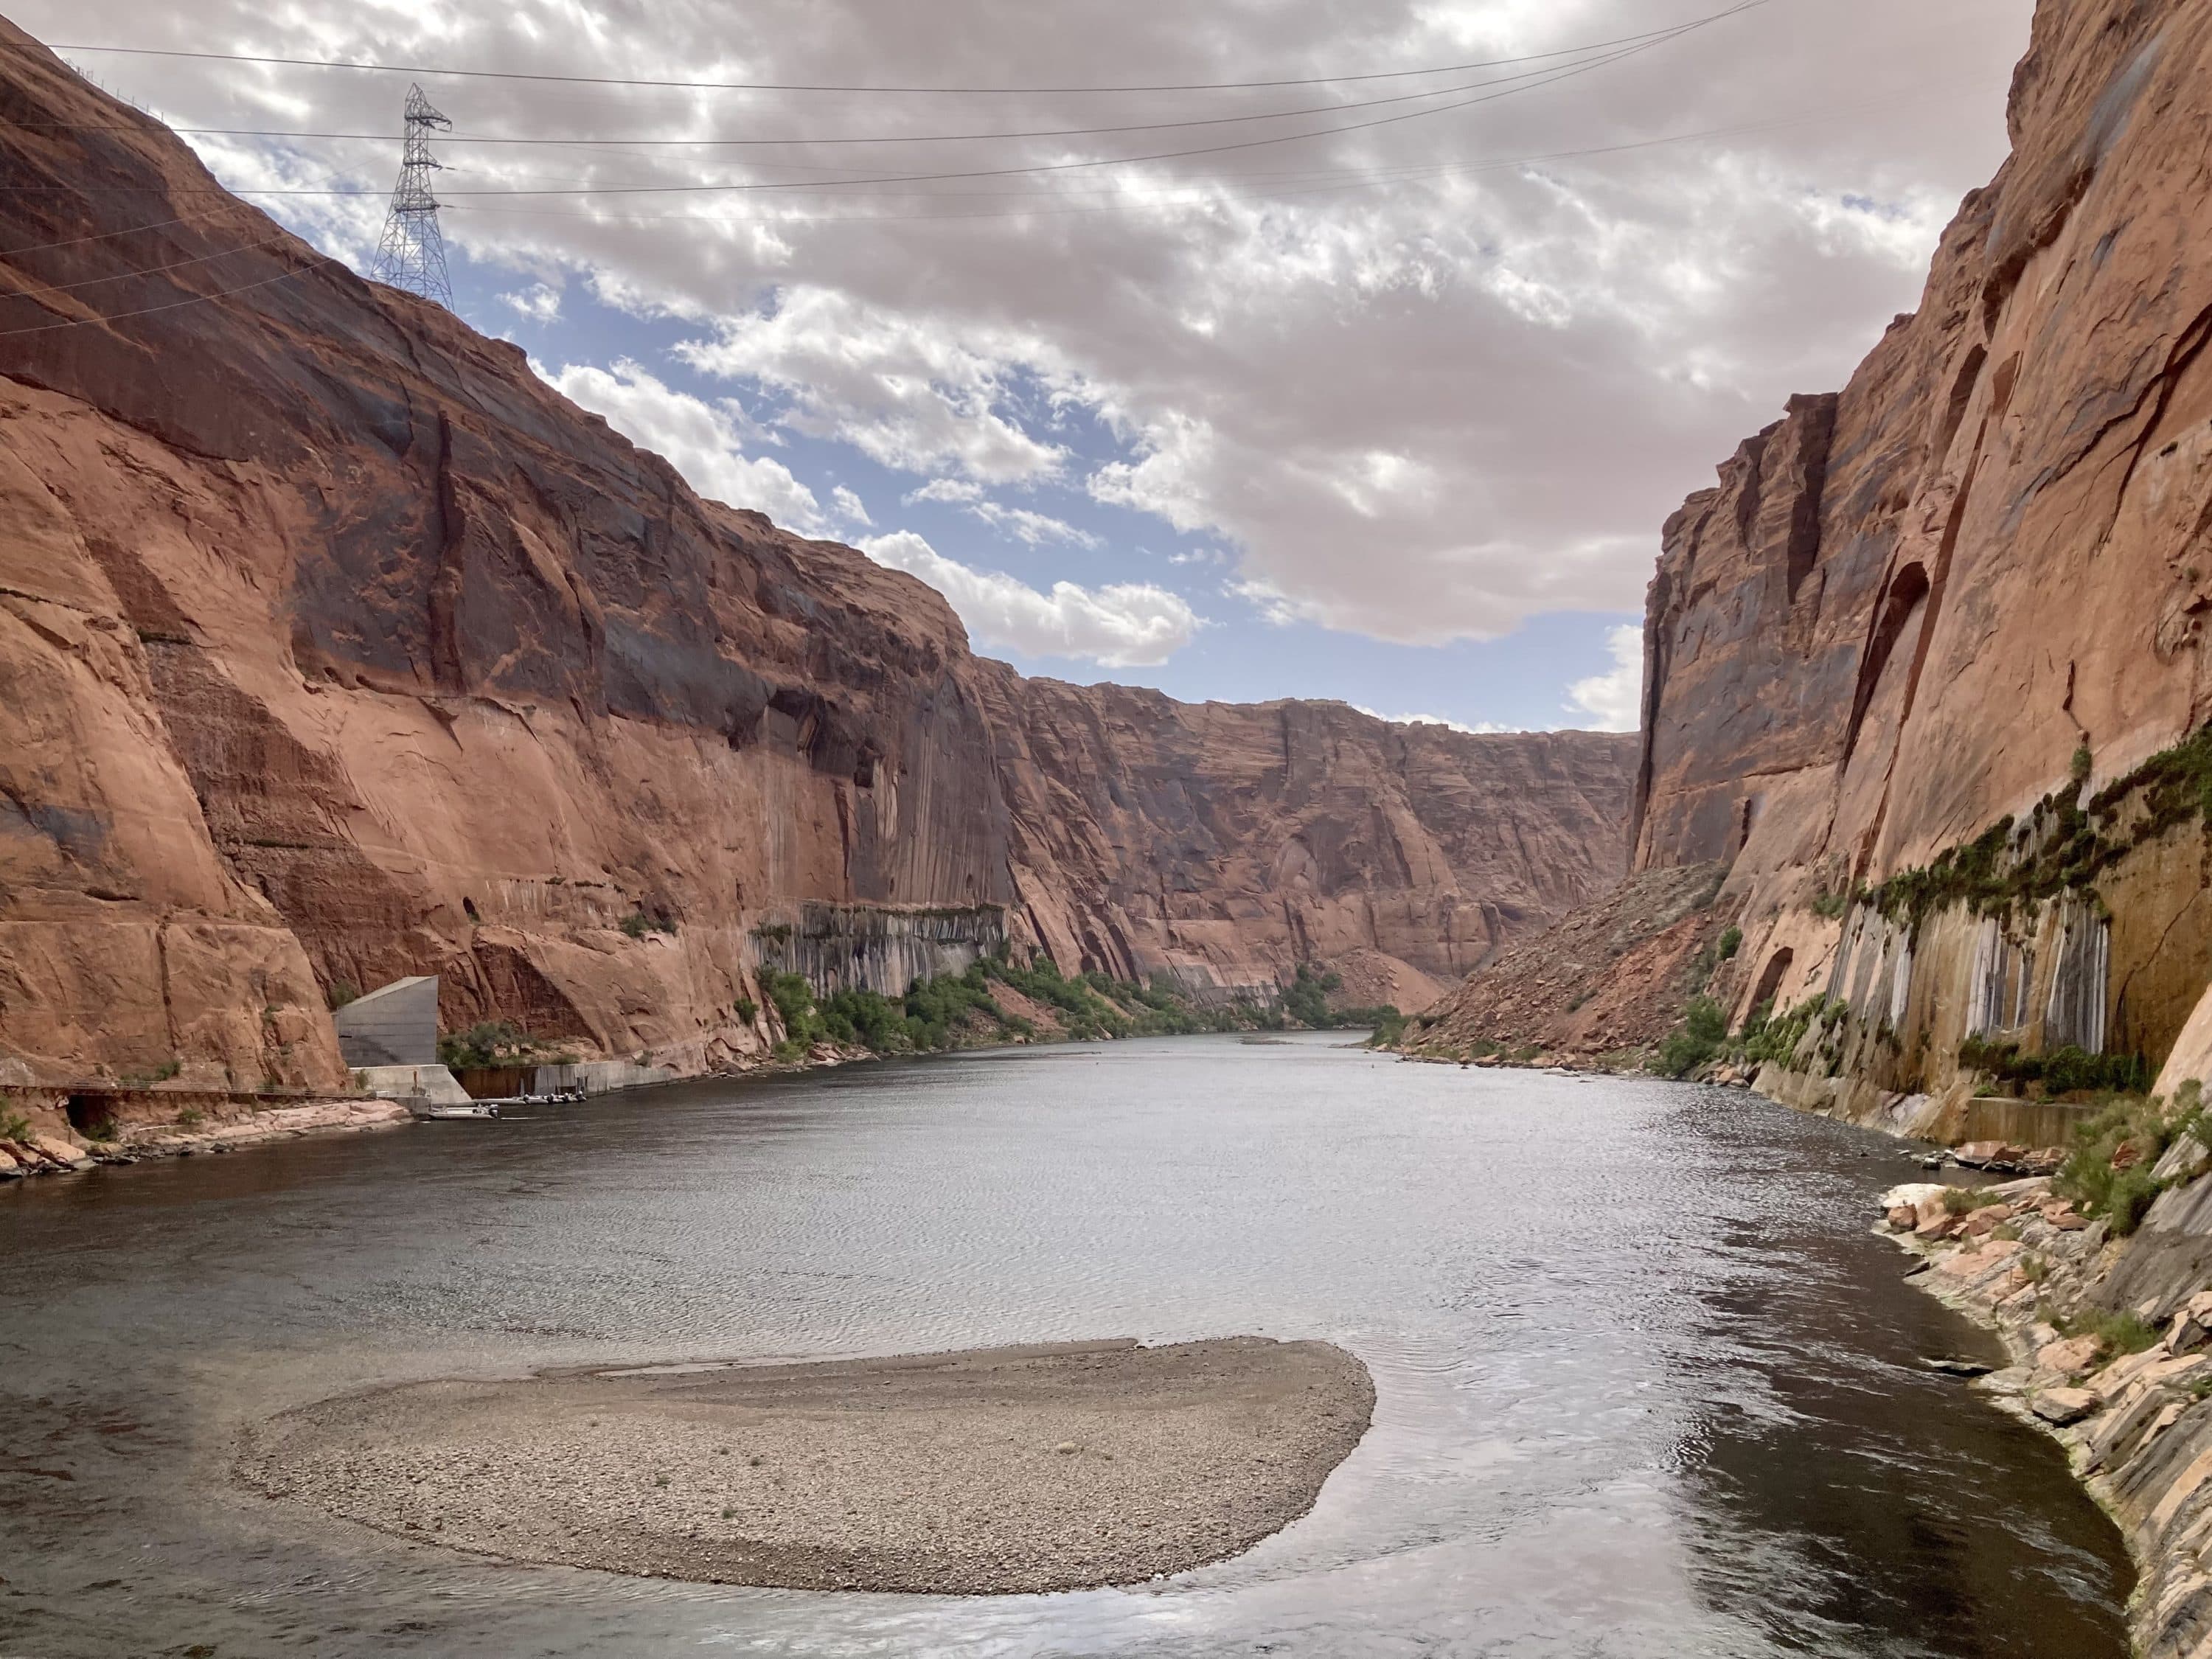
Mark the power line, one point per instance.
(173, 305)
(1037, 169)
(841, 139)
(1302, 182)
(1310, 181)
(110, 235)
(779, 86)
(282, 236)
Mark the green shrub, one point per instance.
(1965, 1200)
(793, 999)
(341, 992)
(1829, 905)
(2063, 1071)
(2116, 1333)
(1731, 942)
(2121, 1197)
(487, 1042)
(746, 1010)
(1702, 1034)
(1388, 1030)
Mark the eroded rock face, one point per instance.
(1906, 609)
(1230, 843)
(335, 646)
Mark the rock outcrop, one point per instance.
(1922, 670)
(1227, 842)
(335, 646)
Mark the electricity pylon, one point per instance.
(412, 253)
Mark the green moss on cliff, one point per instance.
(2065, 845)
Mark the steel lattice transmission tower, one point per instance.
(412, 253)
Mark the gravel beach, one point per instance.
(994, 1471)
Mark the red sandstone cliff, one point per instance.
(334, 646)
(1907, 609)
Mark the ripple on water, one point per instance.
(1645, 1384)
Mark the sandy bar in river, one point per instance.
(998, 1470)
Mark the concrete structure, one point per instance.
(600, 1077)
(396, 1025)
(432, 1083)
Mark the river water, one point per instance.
(1647, 1385)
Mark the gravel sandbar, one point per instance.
(994, 1471)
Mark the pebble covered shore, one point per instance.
(982, 1473)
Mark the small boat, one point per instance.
(418, 1106)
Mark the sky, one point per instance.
(1374, 384)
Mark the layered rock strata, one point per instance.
(335, 647)
(1923, 669)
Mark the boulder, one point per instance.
(2060, 1406)
(56, 1150)
(1912, 1191)
(2071, 1357)
(1976, 1154)
(1903, 1218)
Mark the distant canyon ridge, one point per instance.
(335, 647)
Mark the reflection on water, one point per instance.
(1646, 1383)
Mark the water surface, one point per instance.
(1647, 1385)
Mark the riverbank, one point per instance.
(2107, 1326)
(991, 1472)
(37, 1136)
(2111, 1345)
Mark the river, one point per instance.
(1647, 1383)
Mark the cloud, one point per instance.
(1480, 728)
(958, 491)
(1034, 528)
(905, 393)
(1025, 525)
(1126, 625)
(540, 302)
(848, 508)
(1419, 382)
(1613, 700)
(703, 440)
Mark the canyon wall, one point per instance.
(335, 646)
(1921, 672)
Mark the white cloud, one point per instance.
(1125, 625)
(703, 440)
(1416, 385)
(1034, 528)
(906, 391)
(848, 508)
(957, 491)
(1480, 728)
(1614, 701)
(540, 302)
